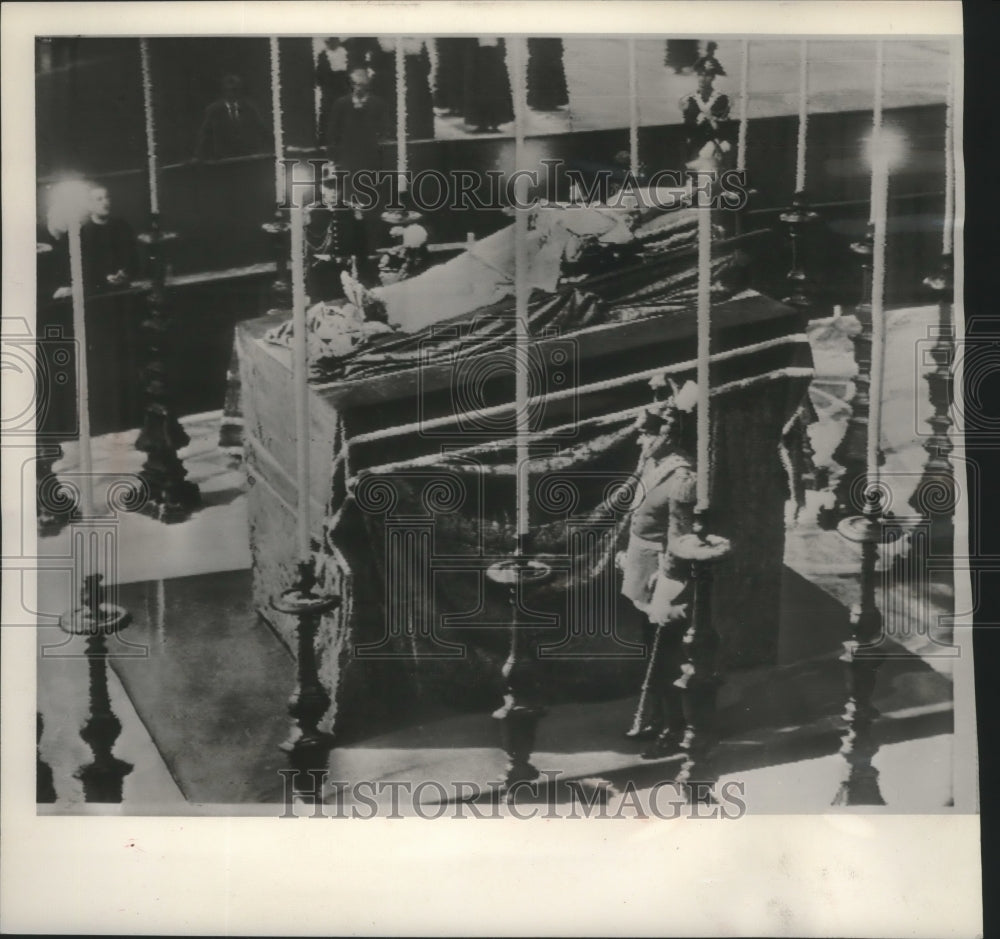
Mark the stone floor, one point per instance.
(201, 690)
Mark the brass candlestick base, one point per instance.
(171, 497)
(102, 778)
(522, 708)
(278, 229)
(798, 217)
(862, 659)
(308, 747)
(700, 678)
(936, 494)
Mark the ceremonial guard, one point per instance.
(335, 242)
(706, 116)
(654, 580)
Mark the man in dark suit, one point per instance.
(331, 80)
(232, 125)
(357, 123)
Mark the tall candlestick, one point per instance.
(523, 430)
(80, 337)
(300, 377)
(633, 110)
(954, 80)
(704, 344)
(877, 112)
(880, 208)
(800, 157)
(318, 47)
(741, 142)
(279, 140)
(401, 156)
(147, 107)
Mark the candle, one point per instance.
(800, 156)
(147, 107)
(518, 57)
(80, 338)
(704, 326)
(954, 80)
(300, 377)
(880, 208)
(318, 47)
(279, 141)
(877, 112)
(401, 113)
(741, 143)
(633, 110)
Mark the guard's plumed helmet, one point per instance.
(682, 403)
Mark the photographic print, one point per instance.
(424, 425)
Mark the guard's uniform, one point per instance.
(335, 241)
(662, 510)
(655, 582)
(706, 124)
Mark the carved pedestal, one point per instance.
(171, 497)
(522, 708)
(308, 747)
(103, 777)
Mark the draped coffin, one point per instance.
(412, 485)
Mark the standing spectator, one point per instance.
(232, 125)
(680, 55)
(110, 255)
(357, 124)
(53, 253)
(110, 262)
(453, 73)
(331, 79)
(546, 75)
(488, 102)
(419, 106)
(362, 51)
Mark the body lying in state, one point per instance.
(563, 241)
